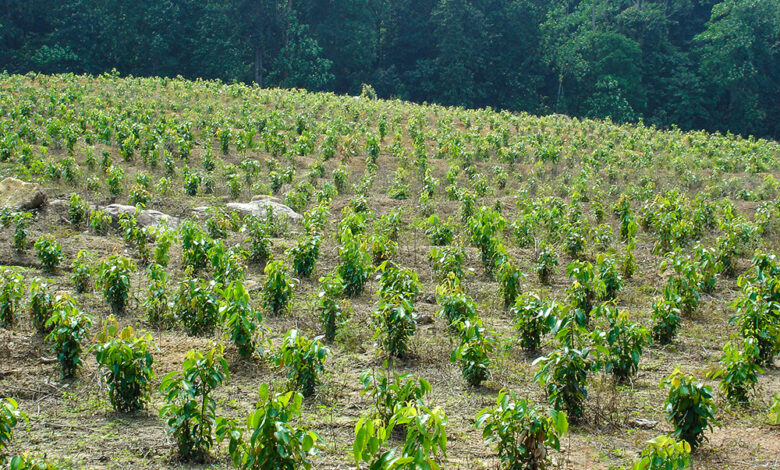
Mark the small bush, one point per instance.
(82, 272)
(664, 453)
(689, 407)
(354, 266)
(49, 252)
(78, 210)
(11, 293)
(126, 362)
(738, 371)
(9, 418)
(520, 433)
(278, 288)
(69, 328)
(546, 261)
(532, 316)
(304, 359)
(332, 310)
(114, 277)
(239, 318)
(41, 305)
(196, 305)
(273, 441)
(190, 408)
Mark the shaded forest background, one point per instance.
(696, 64)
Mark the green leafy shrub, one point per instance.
(164, 239)
(332, 310)
(190, 409)
(532, 316)
(624, 343)
(69, 328)
(520, 433)
(438, 232)
(738, 371)
(196, 305)
(396, 315)
(304, 358)
(609, 277)
(664, 453)
(126, 363)
(450, 259)
(355, 264)
(773, 414)
(273, 441)
(426, 438)
(11, 293)
(472, 354)
(509, 277)
(666, 320)
(259, 241)
(278, 288)
(115, 180)
(305, 254)
(9, 418)
(195, 246)
(546, 261)
(689, 407)
(78, 210)
(21, 235)
(227, 263)
(82, 272)
(682, 287)
(49, 252)
(156, 303)
(756, 317)
(390, 393)
(564, 375)
(455, 305)
(114, 277)
(239, 318)
(99, 222)
(41, 305)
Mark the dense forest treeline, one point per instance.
(692, 63)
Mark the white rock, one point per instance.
(20, 195)
(258, 207)
(146, 218)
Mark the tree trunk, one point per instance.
(259, 66)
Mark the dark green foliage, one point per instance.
(689, 407)
(304, 358)
(332, 309)
(240, 319)
(532, 316)
(278, 288)
(49, 252)
(190, 408)
(69, 328)
(114, 277)
(521, 433)
(355, 264)
(196, 305)
(41, 305)
(273, 441)
(11, 293)
(126, 363)
(564, 375)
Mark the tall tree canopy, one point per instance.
(691, 63)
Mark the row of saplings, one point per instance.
(126, 358)
(618, 343)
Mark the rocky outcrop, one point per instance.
(20, 195)
(260, 204)
(146, 218)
